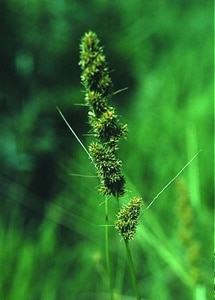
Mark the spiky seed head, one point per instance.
(127, 218)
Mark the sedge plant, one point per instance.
(107, 130)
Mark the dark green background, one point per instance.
(51, 241)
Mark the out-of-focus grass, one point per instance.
(52, 244)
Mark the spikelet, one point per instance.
(104, 122)
(127, 218)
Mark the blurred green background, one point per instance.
(51, 241)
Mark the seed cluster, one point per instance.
(191, 245)
(127, 218)
(102, 118)
(107, 130)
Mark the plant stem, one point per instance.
(132, 270)
(107, 251)
(130, 263)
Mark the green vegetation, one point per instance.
(52, 222)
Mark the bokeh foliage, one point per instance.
(51, 244)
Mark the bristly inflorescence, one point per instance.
(191, 245)
(127, 218)
(102, 118)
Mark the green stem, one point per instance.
(130, 263)
(107, 251)
(132, 270)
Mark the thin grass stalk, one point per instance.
(107, 251)
(132, 270)
(130, 262)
